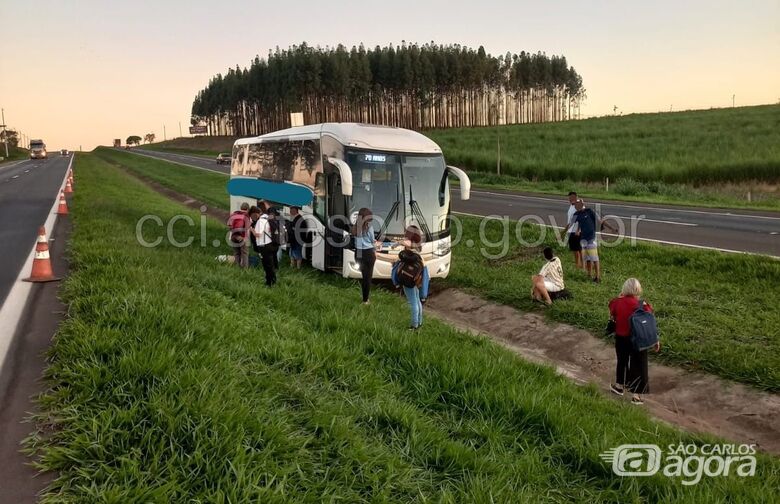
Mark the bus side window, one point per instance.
(320, 194)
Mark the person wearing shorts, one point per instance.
(549, 281)
(588, 221)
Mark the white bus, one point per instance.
(332, 170)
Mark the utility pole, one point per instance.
(5, 135)
(180, 135)
(733, 98)
(164, 133)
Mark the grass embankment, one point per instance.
(718, 312)
(176, 378)
(14, 153)
(200, 146)
(700, 157)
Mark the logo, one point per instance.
(689, 462)
(634, 459)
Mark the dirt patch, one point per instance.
(696, 402)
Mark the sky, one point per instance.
(80, 73)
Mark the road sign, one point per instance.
(198, 130)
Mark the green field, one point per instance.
(723, 157)
(14, 153)
(199, 146)
(709, 321)
(697, 147)
(178, 379)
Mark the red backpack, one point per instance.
(238, 224)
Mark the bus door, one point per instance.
(337, 230)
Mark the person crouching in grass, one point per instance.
(549, 280)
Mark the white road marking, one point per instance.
(617, 203)
(26, 171)
(14, 304)
(665, 242)
(15, 176)
(677, 223)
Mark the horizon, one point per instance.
(115, 71)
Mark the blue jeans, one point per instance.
(413, 297)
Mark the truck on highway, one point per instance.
(37, 149)
(117, 143)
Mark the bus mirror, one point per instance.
(345, 173)
(463, 179)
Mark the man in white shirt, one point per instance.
(262, 232)
(572, 229)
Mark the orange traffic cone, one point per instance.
(63, 208)
(41, 267)
(68, 187)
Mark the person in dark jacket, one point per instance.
(631, 370)
(296, 235)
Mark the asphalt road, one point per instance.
(722, 229)
(27, 192)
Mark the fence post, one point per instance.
(607, 184)
(498, 161)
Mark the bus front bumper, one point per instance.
(438, 266)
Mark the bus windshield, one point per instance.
(376, 184)
(380, 180)
(425, 182)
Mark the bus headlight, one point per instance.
(443, 247)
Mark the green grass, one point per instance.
(178, 379)
(208, 146)
(717, 311)
(208, 187)
(14, 153)
(697, 147)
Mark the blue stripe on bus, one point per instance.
(278, 192)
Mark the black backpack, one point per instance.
(411, 268)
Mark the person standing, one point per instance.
(262, 232)
(588, 222)
(239, 226)
(571, 231)
(409, 274)
(296, 234)
(365, 249)
(631, 369)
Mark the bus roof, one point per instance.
(362, 136)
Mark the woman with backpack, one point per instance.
(631, 370)
(365, 249)
(409, 272)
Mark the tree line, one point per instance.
(411, 86)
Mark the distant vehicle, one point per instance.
(64, 152)
(37, 149)
(117, 143)
(224, 158)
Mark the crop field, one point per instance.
(697, 147)
(176, 378)
(708, 321)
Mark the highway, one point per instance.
(721, 229)
(27, 192)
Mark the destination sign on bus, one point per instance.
(375, 158)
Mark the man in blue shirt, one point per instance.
(588, 222)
